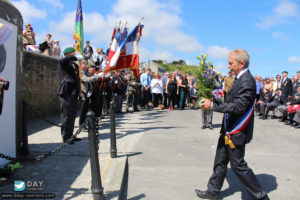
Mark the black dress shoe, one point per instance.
(65, 141)
(282, 119)
(206, 195)
(203, 126)
(287, 122)
(265, 117)
(210, 127)
(297, 126)
(266, 198)
(77, 139)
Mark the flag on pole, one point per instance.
(32, 48)
(78, 30)
(125, 55)
(78, 37)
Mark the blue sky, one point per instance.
(175, 29)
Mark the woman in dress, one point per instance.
(171, 90)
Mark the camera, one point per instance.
(31, 28)
(4, 85)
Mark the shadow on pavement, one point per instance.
(76, 193)
(111, 194)
(138, 197)
(217, 125)
(134, 131)
(58, 172)
(267, 181)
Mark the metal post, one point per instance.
(24, 146)
(113, 143)
(97, 189)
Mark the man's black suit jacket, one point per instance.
(68, 74)
(287, 87)
(239, 99)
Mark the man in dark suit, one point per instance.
(238, 105)
(68, 92)
(264, 99)
(274, 102)
(286, 87)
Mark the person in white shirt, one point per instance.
(98, 57)
(276, 83)
(157, 89)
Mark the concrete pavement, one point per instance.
(177, 157)
(169, 156)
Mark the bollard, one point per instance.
(97, 189)
(113, 143)
(24, 146)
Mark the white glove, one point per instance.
(79, 57)
(100, 75)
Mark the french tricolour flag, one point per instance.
(124, 54)
(33, 48)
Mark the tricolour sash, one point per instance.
(237, 127)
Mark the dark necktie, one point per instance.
(235, 79)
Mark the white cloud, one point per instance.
(217, 52)
(280, 36)
(280, 14)
(156, 55)
(56, 3)
(221, 67)
(294, 59)
(286, 8)
(162, 24)
(29, 11)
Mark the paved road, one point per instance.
(177, 157)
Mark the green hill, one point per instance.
(181, 68)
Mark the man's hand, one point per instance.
(206, 104)
(289, 97)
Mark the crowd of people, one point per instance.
(51, 47)
(178, 90)
(281, 94)
(47, 47)
(175, 90)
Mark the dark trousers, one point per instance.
(83, 111)
(207, 117)
(183, 96)
(156, 99)
(145, 97)
(267, 107)
(224, 155)
(118, 103)
(131, 98)
(172, 99)
(262, 107)
(68, 105)
(106, 103)
(166, 99)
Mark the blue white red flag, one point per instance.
(125, 55)
(32, 48)
(240, 124)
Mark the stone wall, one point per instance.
(40, 83)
